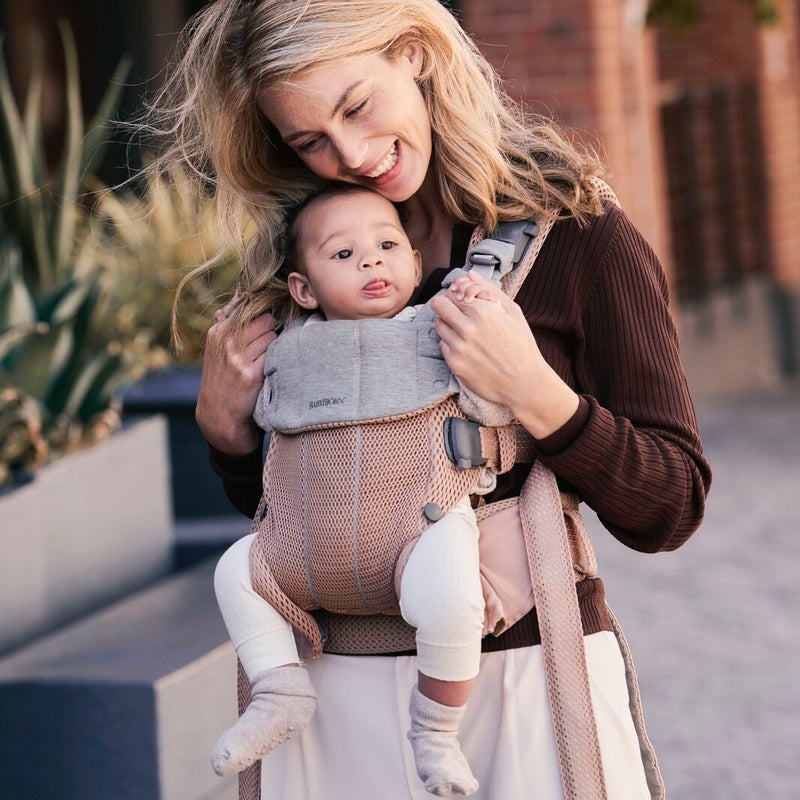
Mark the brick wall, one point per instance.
(699, 128)
(717, 187)
(593, 68)
(779, 68)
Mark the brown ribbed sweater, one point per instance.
(596, 301)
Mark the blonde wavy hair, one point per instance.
(492, 161)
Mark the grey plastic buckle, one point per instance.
(484, 260)
(517, 233)
(462, 442)
(501, 250)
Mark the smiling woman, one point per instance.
(361, 121)
(268, 101)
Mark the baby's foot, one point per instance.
(282, 704)
(440, 763)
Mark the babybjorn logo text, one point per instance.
(326, 401)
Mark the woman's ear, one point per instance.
(418, 267)
(412, 54)
(301, 291)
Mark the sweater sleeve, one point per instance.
(241, 478)
(632, 450)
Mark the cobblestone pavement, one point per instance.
(713, 626)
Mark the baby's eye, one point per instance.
(342, 254)
(388, 245)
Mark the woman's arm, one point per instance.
(610, 409)
(633, 450)
(230, 381)
(232, 375)
(476, 323)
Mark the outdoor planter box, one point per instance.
(196, 491)
(88, 529)
(125, 704)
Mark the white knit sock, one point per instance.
(437, 753)
(282, 704)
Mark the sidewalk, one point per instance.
(713, 626)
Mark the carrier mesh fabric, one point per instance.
(344, 501)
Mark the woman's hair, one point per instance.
(492, 162)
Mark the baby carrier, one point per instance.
(342, 546)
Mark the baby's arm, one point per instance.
(466, 289)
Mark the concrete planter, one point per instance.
(90, 528)
(125, 704)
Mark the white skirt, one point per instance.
(356, 745)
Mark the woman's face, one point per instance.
(360, 120)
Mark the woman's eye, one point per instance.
(307, 146)
(388, 245)
(354, 112)
(342, 254)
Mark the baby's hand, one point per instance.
(470, 286)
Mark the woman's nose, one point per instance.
(352, 152)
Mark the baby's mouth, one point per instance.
(376, 287)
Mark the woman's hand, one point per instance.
(488, 345)
(230, 382)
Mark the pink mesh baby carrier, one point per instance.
(347, 495)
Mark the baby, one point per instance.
(352, 260)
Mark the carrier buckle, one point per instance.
(502, 249)
(484, 260)
(462, 442)
(520, 234)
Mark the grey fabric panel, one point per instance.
(352, 370)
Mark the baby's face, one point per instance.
(356, 258)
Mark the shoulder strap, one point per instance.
(551, 570)
(507, 255)
(564, 654)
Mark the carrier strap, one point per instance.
(505, 446)
(566, 673)
(550, 564)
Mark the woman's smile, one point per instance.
(388, 163)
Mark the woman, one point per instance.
(271, 97)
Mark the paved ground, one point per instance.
(714, 626)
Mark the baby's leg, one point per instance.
(283, 699)
(441, 597)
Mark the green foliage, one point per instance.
(150, 245)
(681, 14)
(59, 372)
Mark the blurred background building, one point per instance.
(699, 126)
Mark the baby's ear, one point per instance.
(301, 291)
(418, 267)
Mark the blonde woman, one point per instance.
(270, 97)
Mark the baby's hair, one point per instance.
(290, 238)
